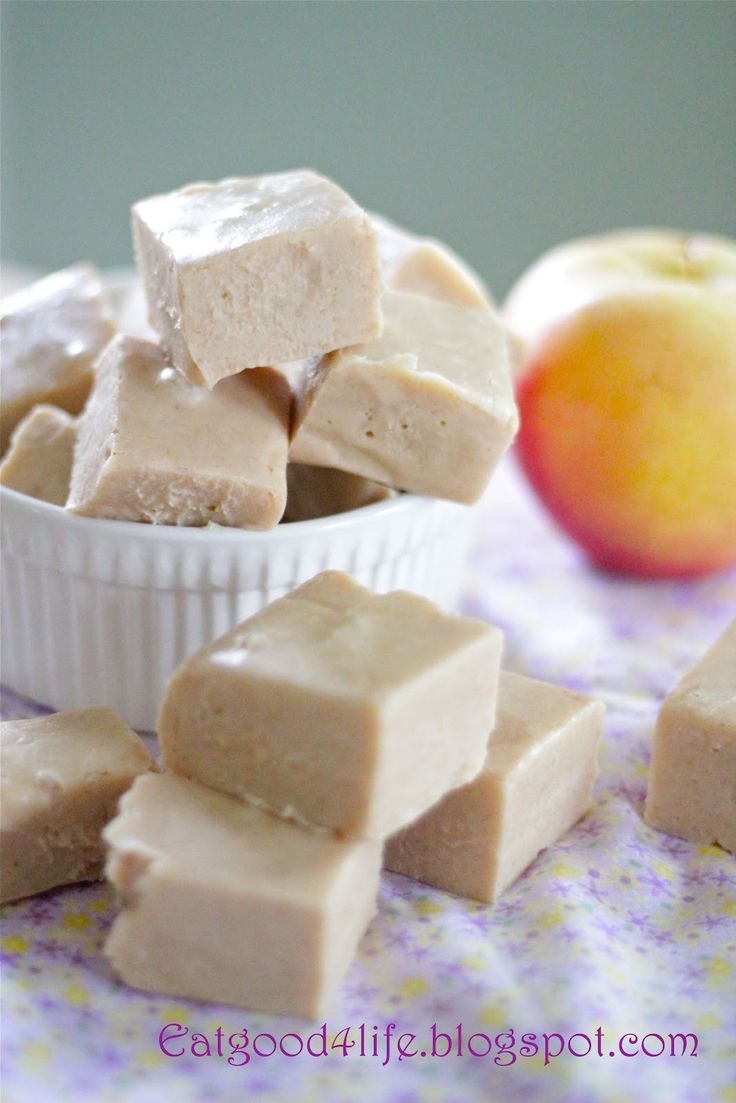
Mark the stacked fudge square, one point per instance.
(308, 358)
(334, 732)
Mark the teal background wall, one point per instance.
(502, 127)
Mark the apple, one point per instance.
(627, 395)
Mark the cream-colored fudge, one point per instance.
(257, 271)
(223, 901)
(427, 267)
(39, 460)
(321, 492)
(337, 706)
(302, 378)
(131, 313)
(427, 407)
(537, 781)
(61, 777)
(692, 780)
(151, 446)
(50, 335)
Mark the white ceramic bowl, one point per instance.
(100, 612)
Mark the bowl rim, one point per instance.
(397, 506)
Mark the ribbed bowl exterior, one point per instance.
(101, 612)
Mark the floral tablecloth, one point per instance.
(615, 932)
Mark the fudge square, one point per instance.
(692, 780)
(537, 781)
(39, 460)
(337, 706)
(61, 777)
(224, 901)
(257, 270)
(427, 407)
(50, 335)
(153, 447)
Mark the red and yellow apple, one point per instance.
(627, 397)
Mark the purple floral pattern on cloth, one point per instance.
(617, 927)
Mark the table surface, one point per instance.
(616, 927)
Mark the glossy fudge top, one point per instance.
(162, 418)
(152, 446)
(530, 713)
(458, 347)
(334, 636)
(204, 220)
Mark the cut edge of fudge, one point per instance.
(53, 814)
(469, 842)
(692, 797)
(253, 933)
(39, 458)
